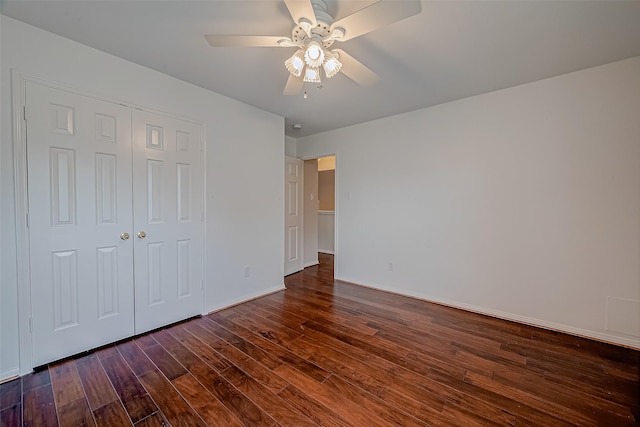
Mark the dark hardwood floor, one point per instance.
(335, 354)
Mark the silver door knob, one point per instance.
(141, 234)
(124, 236)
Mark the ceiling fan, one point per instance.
(314, 33)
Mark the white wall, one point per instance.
(244, 156)
(326, 232)
(522, 203)
(290, 146)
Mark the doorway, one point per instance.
(319, 208)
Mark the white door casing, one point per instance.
(167, 202)
(79, 175)
(293, 182)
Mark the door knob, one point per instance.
(124, 236)
(141, 234)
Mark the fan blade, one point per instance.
(379, 14)
(293, 86)
(355, 69)
(222, 40)
(301, 9)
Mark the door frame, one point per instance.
(336, 208)
(19, 81)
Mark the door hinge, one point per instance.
(27, 215)
(24, 112)
(30, 325)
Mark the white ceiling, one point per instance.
(451, 50)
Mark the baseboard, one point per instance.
(311, 264)
(246, 298)
(557, 327)
(324, 251)
(9, 375)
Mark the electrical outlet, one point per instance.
(390, 266)
(247, 271)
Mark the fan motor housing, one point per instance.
(321, 31)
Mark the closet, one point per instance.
(115, 221)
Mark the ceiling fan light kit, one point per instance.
(313, 34)
(295, 64)
(311, 75)
(331, 65)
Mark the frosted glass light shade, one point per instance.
(331, 65)
(314, 54)
(295, 64)
(311, 75)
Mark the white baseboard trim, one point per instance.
(9, 375)
(584, 333)
(245, 298)
(324, 251)
(311, 264)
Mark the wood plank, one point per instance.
(169, 366)
(76, 413)
(155, 420)
(111, 414)
(10, 393)
(169, 401)
(206, 332)
(135, 357)
(343, 405)
(297, 361)
(97, 386)
(203, 351)
(106, 352)
(318, 413)
(39, 407)
(240, 405)
(65, 382)
(11, 416)
(206, 404)
(279, 410)
(34, 380)
(145, 341)
(237, 403)
(132, 394)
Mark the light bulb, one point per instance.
(314, 54)
(295, 64)
(331, 65)
(311, 75)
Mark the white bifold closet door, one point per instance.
(167, 206)
(92, 188)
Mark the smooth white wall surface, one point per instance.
(244, 172)
(326, 232)
(522, 203)
(290, 146)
